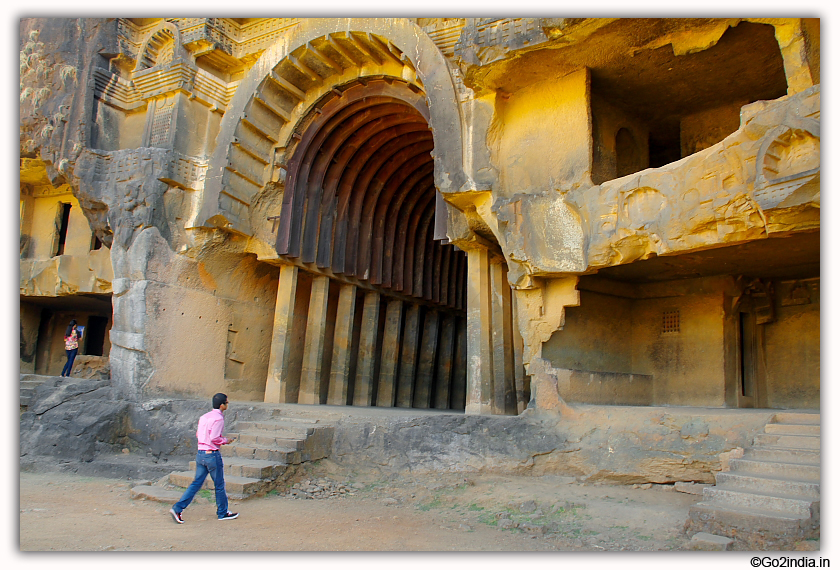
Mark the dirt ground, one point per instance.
(441, 512)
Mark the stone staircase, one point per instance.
(28, 383)
(770, 498)
(264, 452)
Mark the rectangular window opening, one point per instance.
(64, 213)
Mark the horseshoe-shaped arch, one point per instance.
(263, 121)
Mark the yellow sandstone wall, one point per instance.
(46, 215)
(207, 322)
(620, 332)
(541, 136)
(792, 345)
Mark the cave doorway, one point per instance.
(371, 308)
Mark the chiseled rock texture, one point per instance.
(80, 420)
(617, 444)
(595, 443)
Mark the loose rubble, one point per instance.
(322, 488)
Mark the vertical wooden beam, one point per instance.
(503, 391)
(459, 372)
(286, 354)
(426, 363)
(443, 277)
(363, 390)
(437, 272)
(386, 396)
(446, 352)
(313, 356)
(342, 355)
(354, 346)
(479, 341)
(411, 332)
(460, 287)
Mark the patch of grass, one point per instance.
(373, 486)
(674, 543)
(435, 503)
(206, 494)
(488, 518)
(590, 532)
(570, 532)
(474, 507)
(645, 537)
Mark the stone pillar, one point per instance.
(793, 46)
(342, 354)
(284, 359)
(387, 393)
(520, 381)
(446, 353)
(504, 401)
(426, 363)
(313, 355)
(411, 332)
(366, 367)
(479, 341)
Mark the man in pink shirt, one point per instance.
(209, 461)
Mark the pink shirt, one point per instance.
(210, 428)
(72, 341)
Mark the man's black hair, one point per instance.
(218, 400)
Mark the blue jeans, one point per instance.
(71, 356)
(207, 463)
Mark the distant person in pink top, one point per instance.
(71, 346)
(208, 461)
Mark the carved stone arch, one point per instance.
(787, 161)
(293, 77)
(162, 46)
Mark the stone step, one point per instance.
(37, 378)
(769, 485)
(286, 456)
(784, 454)
(28, 383)
(740, 499)
(251, 468)
(724, 519)
(780, 469)
(269, 440)
(792, 429)
(281, 427)
(241, 486)
(802, 418)
(284, 418)
(791, 441)
(710, 542)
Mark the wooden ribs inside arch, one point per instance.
(371, 309)
(359, 194)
